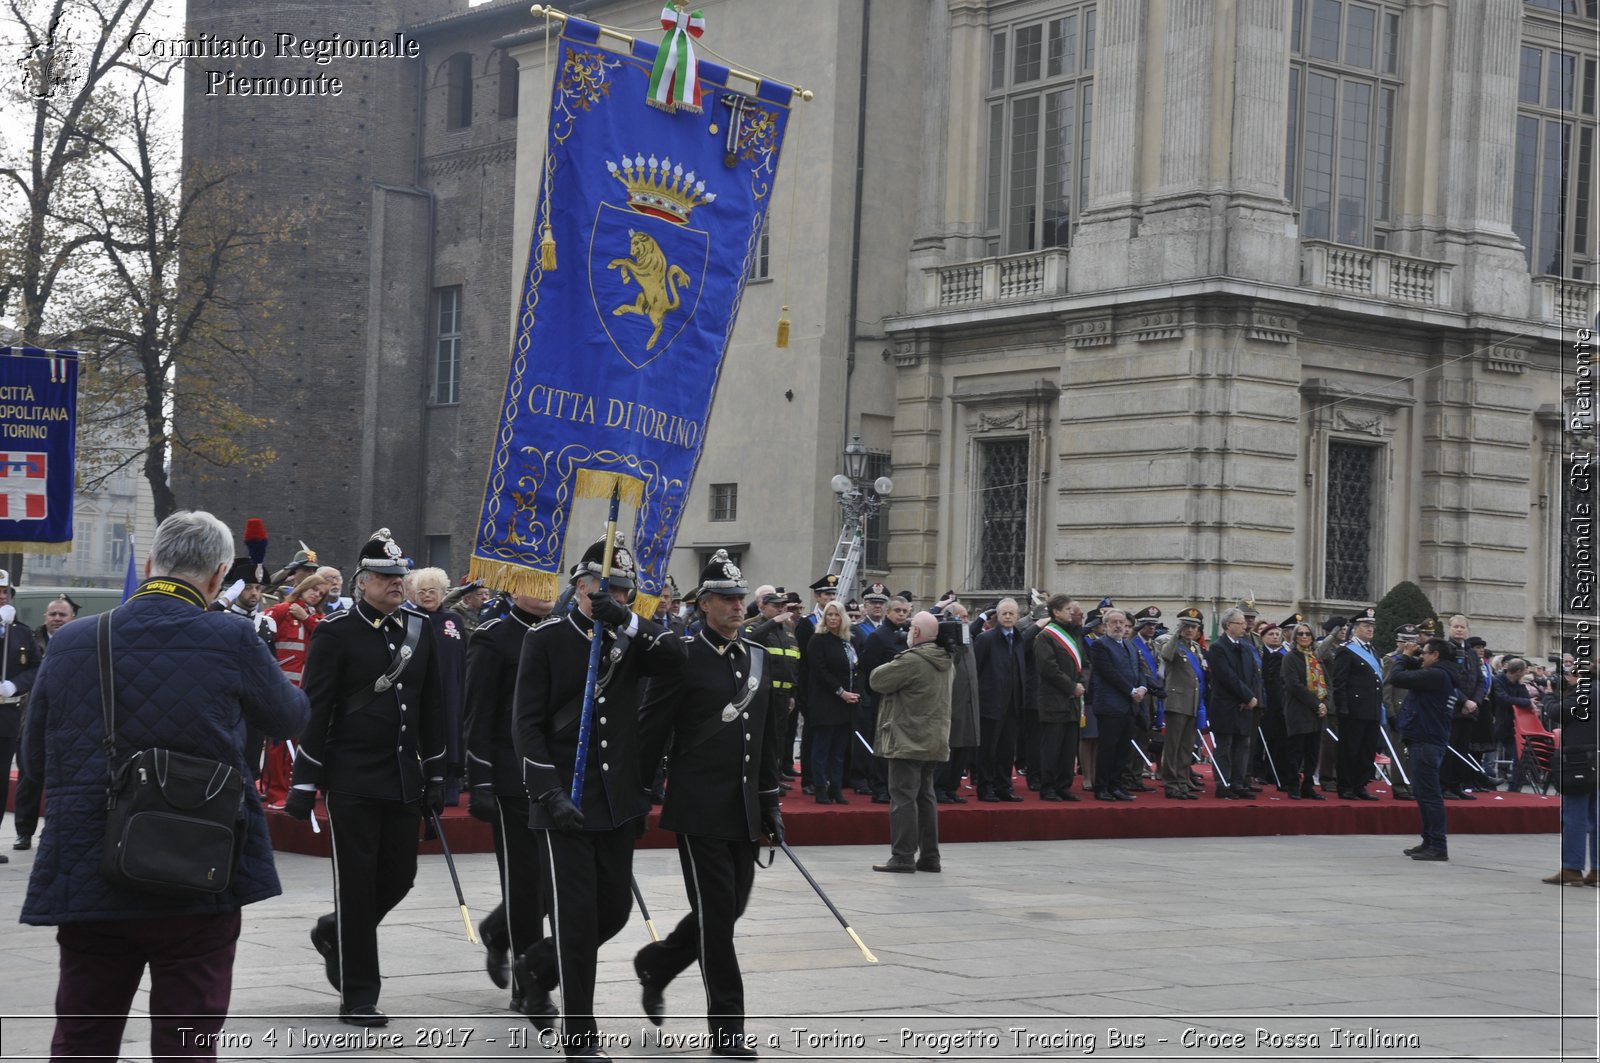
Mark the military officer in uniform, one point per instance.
(19, 663)
(722, 794)
(375, 747)
(1357, 682)
(585, 853)
(1185, 679)
(496, 795)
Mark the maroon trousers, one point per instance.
(191, 978)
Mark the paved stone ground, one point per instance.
(1142, 949)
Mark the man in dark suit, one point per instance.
(880, 647)
(1234, 698)
(375, 747)
(1001, 681)
(1059, 656)
(722, 795)
(1121, 683)
(1358, 700)
(585, 850)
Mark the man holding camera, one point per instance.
(1429, 672)
(586, 853)
(914, 738)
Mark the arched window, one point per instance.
(458, 91)
(508, 88)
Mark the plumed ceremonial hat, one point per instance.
(670, 585)
(247, 570)
(1247, 606)
(722, 576)
(622, 566)
(380, 555)
(305, 557)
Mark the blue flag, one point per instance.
(38, 449)
(130, 582)
(646, 226)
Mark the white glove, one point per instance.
(233, 592)
(8, 613)
(8, 689)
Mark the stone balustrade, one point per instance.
(1007, 278)
(1375, 274)
(1566, 302)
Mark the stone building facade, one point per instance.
(1260, 299)
(1173, 300)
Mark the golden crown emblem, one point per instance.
(661, 188)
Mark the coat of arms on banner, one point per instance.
(646, 265)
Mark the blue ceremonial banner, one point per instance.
(38, 449)
(647, 223)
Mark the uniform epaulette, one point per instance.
(553, 618)
(413, 612)
(335, 616)
(487, 624)
(752, 642)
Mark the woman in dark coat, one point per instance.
(1305, 706)
(832, 690)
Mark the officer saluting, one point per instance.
(375, 746)
(586, 854)
(722, 794)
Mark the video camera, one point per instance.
(953, 634)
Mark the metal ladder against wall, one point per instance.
(846, 562)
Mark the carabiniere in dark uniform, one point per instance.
(375, 746)
(722, 795)
(586, 853)
(497, 795)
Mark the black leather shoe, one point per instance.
(1067, 795)
(1009, 795)
(1140, 788)
(364, 1015)
(496, 960)
(1293, 795)
(652, 994)
(1362, 795)
(535, 1003)
(895, 867)
(1225, 794)
(957, 799)
(1312, 795)
(880, 799)
(734, 1046)
(1104, 795)
(22, 843)
(1414, 849)
(1431, 854)
(932, 867)
(329, 952)
(1049, 795)
(987, 796)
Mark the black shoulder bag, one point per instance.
(172, 820)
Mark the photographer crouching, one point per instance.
(914, 737)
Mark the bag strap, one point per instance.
(102, 642)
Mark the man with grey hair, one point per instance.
(914, 738)
(187, 679)
(1002, 664)
(1121, 682)
(1234, 683)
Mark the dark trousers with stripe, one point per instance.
(718, 874)
(1358, 741)
(587, 875)
(517, 922)
(102, 962)
(374, 865)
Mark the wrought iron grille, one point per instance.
(875, 539)
(1347, 559)
(1578, 500)
(1002, 513)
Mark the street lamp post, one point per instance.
(858, 504)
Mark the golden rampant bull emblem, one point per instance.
(658, 281)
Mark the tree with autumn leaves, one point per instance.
(115, 249)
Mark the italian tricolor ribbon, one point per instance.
(1055, 631)
(675, 79)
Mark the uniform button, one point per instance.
(747, 715)
(603, 743)
(602, 721)
(391, 645)
(746, 756)
(403, 728)
(601, 700)
(744, 778)
(605, 767)
(399, 686)
(747, 736)
(738, 674)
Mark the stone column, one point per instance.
(914, 519)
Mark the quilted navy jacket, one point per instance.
(186, 679)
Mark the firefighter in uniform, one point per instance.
(375, 747)
(722, 794)
(586, 854)
(495, 781)
(773, 629)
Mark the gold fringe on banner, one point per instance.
(597, 483)
(35, 548)
(516, 579)
(645, 605)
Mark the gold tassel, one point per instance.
(547, 250)
(518, 579)
(783, 328)
(645, 605)
(597, 483)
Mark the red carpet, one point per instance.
(1149, 816)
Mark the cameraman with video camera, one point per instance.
(914, 738)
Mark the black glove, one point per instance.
(562, 812)
(608, 609)
(772, 823)
(482, 804)
(300, 802)
(433, 796)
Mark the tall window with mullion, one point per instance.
(1002, 513)
(875, 538)
(446, 345)
(1040, 106)
(1349, 524)
(1344, 86)
(1553, 190)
